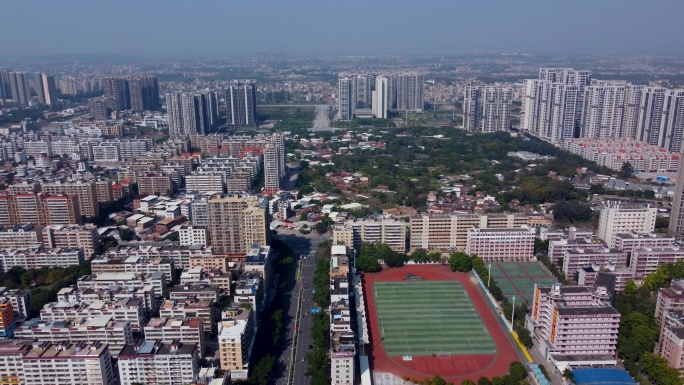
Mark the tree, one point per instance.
(525, 338)
(484, 381)
(419, 256)
(437, 380)
(367, 264)
(321, 227)
(571, 211)
(567, 374)
(517, 371)
(460, 261)
(394, 259)
(467, 382)
(638, 334)
(126, 234)
(657, 370)
(263, 369)
(597, 189)
(630, 288)
(435, 256)
(626, 171)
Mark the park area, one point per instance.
(517, 279)
(426, 320)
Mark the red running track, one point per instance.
(455, 368)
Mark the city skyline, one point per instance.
(437, 26)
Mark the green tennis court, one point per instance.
(422, 318)
(518, 278)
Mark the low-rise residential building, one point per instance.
(669, 299)
(20, 236)
(588, 276)
(353, 233)
(133, 264)
(205, 182)
(557, 248)
(210, 262)
(249, 289)
(645, 261)
(203, 309)
(155, 362)
(190, 235)
(614, 152)
(448, 232)
(125, 309)
(20, 300)
(96, 329)
(11, 353)
(35, 257)
(72, 237)
(180, 254)
(342, 356)
(151, 183)
(671, 346)
(575, 259)
(81, 362)
(630, 241)
(7, 319)
(548, 234)
(501, 244)
(185, 330)
(199, 290)
(258, 259)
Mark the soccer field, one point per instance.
(422, 318)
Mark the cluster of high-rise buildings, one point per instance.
(19, 87)
(564, 103)
(192, 113)
(136, 93)
(369, 95)
(487, 108)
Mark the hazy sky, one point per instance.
(220, 27)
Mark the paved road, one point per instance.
(304, 340)
(322, 120)
(302, 245)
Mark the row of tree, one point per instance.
(318, 358)
(44, 283)
(268, 345)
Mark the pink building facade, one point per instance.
(501, 245)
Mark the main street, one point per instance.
(304, 339)
(303, 247)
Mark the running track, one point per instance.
(455, 368)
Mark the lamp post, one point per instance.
(489, 277)
(512, 313)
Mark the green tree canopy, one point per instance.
(460, 261)
(367, 264)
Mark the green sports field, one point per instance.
(517, 279)
(421, 318)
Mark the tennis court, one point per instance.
(518, 278)
(422, 318)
